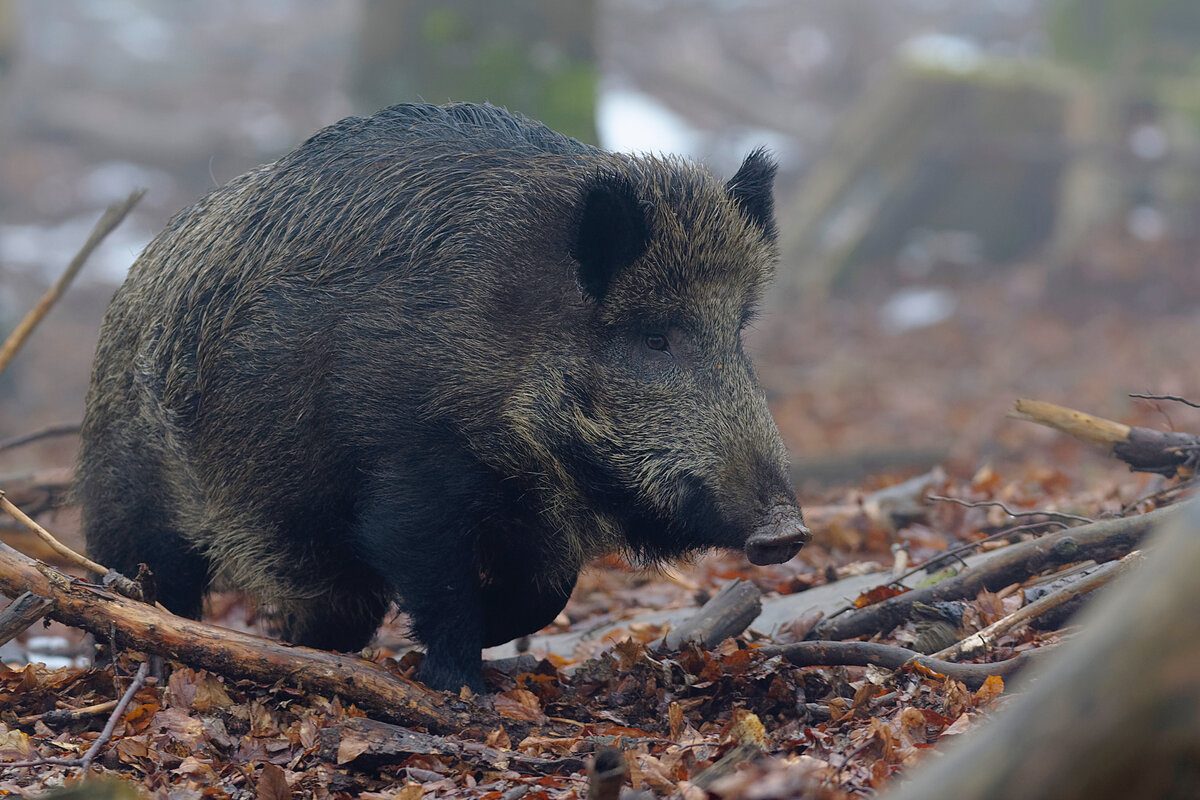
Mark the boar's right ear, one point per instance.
(751, 188)
(612, 232)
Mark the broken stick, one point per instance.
(21, 613)
(1143, 449)
(728, 613)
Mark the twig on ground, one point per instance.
(139, 680)
(984, 639)
(1007, 510)
(955, 552)
(108, 221)
(62, 429)
(22, 612)
(863, 654)
(370, 742)
(85, 761)
(65, 716)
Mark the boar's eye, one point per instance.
(658, 342)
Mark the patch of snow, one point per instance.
(632, 122)
(918, 307)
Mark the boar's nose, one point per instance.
(778, 536)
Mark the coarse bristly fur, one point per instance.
(441, 356)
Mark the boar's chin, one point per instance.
(778, 536)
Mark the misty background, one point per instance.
(978, 199)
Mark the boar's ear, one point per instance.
(612, 232)
(751, 188)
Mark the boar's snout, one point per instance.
(778, 536)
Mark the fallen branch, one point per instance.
(1099, 541)
(104, 226)
(864, 654)
(728, 613)
(984, 639)
(21, 613)
(370, 743)
(138, 626)
(1143, 449)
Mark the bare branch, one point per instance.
(1172, 397)
(104, 226)
(1009, 511)
(63, 429)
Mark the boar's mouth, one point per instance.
(778, 536)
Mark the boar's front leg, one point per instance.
(422, 547)
(520, 594)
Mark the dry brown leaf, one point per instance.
(196, 768)
(499, 739)
(14, 742)
(992, 688)
(210, 695)
(675, 720)
(520, 704)
(960, 725)
(746, 728)
(179, 727)
(272, 784)
(351, 747)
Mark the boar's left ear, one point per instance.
(751, 188)
(612, 232)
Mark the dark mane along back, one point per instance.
(467, 127)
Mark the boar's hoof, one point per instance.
(778, 537)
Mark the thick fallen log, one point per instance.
(1099, 541)
(1143, 449)
(141, 627)
(1115, 712)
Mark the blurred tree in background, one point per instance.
(537, 57)
(1153, 37)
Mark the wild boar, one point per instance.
(438, 356)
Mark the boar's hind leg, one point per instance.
(126, 523)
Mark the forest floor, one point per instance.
(866, 407)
